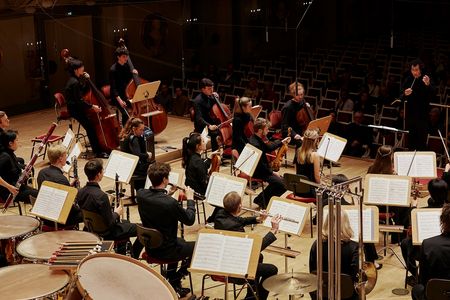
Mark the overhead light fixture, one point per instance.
(47, 3)
(30, 9)
(90, 2)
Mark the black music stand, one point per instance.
(385, 129)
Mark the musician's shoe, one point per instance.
(102, 155)
(378, 266)
(411, 280)
(181, 291)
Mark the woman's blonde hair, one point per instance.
(239, 103)
(128, 128)
(55, 152)
(346, 229)
(293, 90)
(308, 146)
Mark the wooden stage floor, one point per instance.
(391, 276)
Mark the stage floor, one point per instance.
(391, 276)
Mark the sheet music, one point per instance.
(68, 138)
(368, 225)
(220, 253)
(76, 151)
(335, 147)
(386, 191)
(287, 210)
(422, 166)
(49, 202)
(122, 165)
(219, 186)
(428, 224)
(248, 159)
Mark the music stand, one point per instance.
(147, 91)
(387, 129)
(323, 124)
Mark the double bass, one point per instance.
(105, 123)
(305, 115)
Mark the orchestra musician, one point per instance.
(57, 155)
(132, 141)
(241, 118)
(11, 169)
(228, 218)
(4, 122)
(349, 252)
(120, 75)
(307, 159)
(92, 198)
(196, 168)
(162, 212)
(417, 91)
(74, 91)
(263, 170)
(203, 104)
(434, 259)
(289, 113)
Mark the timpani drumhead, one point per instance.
(16, 226)
(30, 281)
(114, 276)
(43, 245)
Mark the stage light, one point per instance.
(47, 3)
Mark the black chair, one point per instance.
(438, 289)
(347, 287)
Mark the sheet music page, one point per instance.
(287, 210)
(398, 191)
(247, 159)
(208, 251)
(219, 186)
(403, 163)
(76, 151)
(335, 147)
(428, 224)
(368, 226)
(121, 165)
(377, 191)
(49, 202)
(422, 166)
(174, 179)
(236, 255)
(68, 138)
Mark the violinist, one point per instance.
(307, 159)
(289, 113)
(75, 88)
(241, 119)
(120, 75)
(263, 170)
(203, 104)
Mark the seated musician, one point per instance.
(359, 137)
(438, 196)
(132, 141)
(289, 113)
(263, 170)
(241, 118)
(197, 174)
(92, 198)
(162, 212)
(434, 259)
(11, 169)
(77, 107)
(229, 218)
(57, 155)
(4, 122)
(308, 161)
(203, 105)
(349, 252)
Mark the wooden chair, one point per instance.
(438, 289)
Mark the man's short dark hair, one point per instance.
(92, 168)
(339, 178)
(205, 82)
(231, 202)
(121, 51)
(417, 62)
(260, 123)
(157, 172)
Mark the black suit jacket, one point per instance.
(9, 170)
(53, 174)
(435, 258)
(263, 169)
(202, 106)
(289, 117)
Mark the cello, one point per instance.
(305, 115)
(159, 121)
(221, 114)
(105, 124)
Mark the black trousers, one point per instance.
(276, 187)
(263, 271)
(24, 194)
(124, 230)
(89, 128)
(417, 137)
(410, 254)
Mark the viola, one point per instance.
(305, 115)
(215, 164)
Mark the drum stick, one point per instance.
(269, 215)
(71, 253)
(78, 243)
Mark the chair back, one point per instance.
(293, 183)
(60, 100)
(438, 289)
(149, 237)
(347, 286)
(275, 119)
(94, 222)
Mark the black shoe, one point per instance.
(378, 266)
(411, 280)
(181, 291)
(102, 155)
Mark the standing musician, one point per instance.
(57, 155)
(120, 75)
(434, 256)
(241, 118)
(228, 218)
(162, 212)
(263, 170)
(132, 141)
(307, 159)
(76, 105)
(92, 198)
(417, 90)
(203, 104)
(289, 113)
(11, 169)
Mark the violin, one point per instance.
(305, 115)
(276, 163)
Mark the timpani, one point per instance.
(40, 247)
(115, 276)
(13, 230)
(32, 281)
